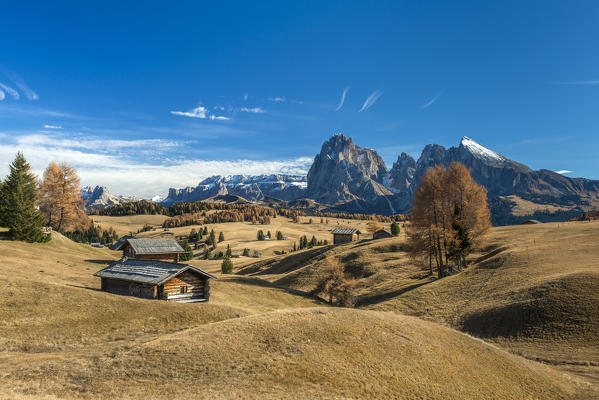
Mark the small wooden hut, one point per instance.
(156, 280)
(344, 235)
(381, 234)
(530, 222)
(150, 249)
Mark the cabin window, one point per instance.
(183, 289)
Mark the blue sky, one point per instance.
(141, 98)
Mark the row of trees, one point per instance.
(27, 205)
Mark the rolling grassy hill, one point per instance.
(311, 353)
(534, 289)
(260, 336)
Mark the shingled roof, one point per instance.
(155, 246)
(344, 231)
(143, 271)
(121, 242)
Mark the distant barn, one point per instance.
(150, 249)
(381, 234)
(344, 235)
(156, 280)
(530, 222)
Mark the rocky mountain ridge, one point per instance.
(98, 198)
(252, 188)
(349, 178)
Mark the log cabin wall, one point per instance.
(122, 287)
(162, 256)
(342, 238)
(186, 286)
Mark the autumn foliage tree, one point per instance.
(449, 217)
(60, 198)
(335, 285)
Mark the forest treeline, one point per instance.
(206, 212)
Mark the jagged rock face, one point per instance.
(252, 188)
(344, 172)
(99, 197)
(498, 174)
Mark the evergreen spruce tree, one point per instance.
(17, 204)
(228, 253)
(188, 255)
(227, 266)
(221, 237)
(394, 228)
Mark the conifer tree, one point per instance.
(221, 237)
(17, 203)
(227, 266)
(188, 255)
(395, 228)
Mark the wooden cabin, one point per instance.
(161, 280)
(119, 243)
(530, 222)
(150, 249)
(344, 235)
(381, 234)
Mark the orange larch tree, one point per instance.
(60, 198)
(449, 217)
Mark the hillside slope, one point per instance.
(534, 289)
(314, 353)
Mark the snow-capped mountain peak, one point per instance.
(479, 150)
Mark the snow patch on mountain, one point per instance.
(479, 150)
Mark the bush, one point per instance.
(227, 266)
(246, 252)
(260, 235)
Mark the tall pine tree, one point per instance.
(18, 198)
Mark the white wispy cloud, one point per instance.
(124, 175)
(431, 101)
(52, 126)
(12, 92)
(342, 98)
(563, 171)
(29, 93)
(200, 112)
(370, 100)
(591, 82)
(245, 97)
(277, 99)
(255, 110)
(2, 95)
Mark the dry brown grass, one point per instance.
(62, 338)
(315, 353)
(539, 297)
(127, 224)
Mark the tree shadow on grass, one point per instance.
(379, 298)
(106, 262)
(263, 283)
(85, 287)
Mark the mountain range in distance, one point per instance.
(345, 177)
